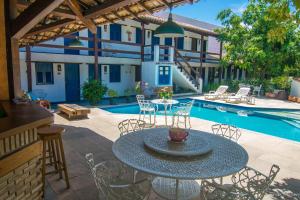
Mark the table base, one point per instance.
(175, 189)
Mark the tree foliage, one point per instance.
(264, 39)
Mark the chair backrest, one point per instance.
(131, 125)
(221, 89)
(257, 88)
(139, 98)
(243, 91)
(112, 173)
(231, 132)
(255, 182)
(189, 106)
(91, 163)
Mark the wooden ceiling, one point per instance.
(62, 17)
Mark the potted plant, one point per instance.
(112, 94)
(165, 93)
(127, 93)
(93, 91)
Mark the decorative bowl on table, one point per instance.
(178, 134)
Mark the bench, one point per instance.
(74, 110)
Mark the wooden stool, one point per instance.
(52, 144)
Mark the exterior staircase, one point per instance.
(184, 75)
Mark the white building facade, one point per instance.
(123, 61)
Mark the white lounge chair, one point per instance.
(239, 96)
(213, 95)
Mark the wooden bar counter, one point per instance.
(21, 150)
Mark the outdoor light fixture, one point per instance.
(169, 28)
(75, 43)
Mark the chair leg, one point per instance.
(54, 156)
(58, 158)
(184, 121)
(189, 118)
(64, 162)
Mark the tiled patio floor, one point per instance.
(97, 134)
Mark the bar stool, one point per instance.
(52, 144)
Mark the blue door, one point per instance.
(72, 82)
(168, 42)
(164, 75)
(91, 42)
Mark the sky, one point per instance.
(207, 10)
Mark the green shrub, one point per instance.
(93, 91)
(138, 88)
(281, 83)
(127, 93)
(210, 87)
(112, 94)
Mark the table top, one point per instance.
(194, 145)
(226, 157)
(166, 101)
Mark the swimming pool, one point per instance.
(222, 113)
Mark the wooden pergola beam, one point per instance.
(57, 11)
(49, 27)
(107, 7)
(145, 8)
(118, 16)
(135, 15)
(32, 15)
(107, 19)
(75, 7)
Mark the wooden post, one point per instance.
(201, 55)
(4, 78)
(96, 57)
(28, 64)
(143, 42)
(220, 57)
(15, 58)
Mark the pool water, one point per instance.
(215, 112)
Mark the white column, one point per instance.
(206, 76)
(171, 54)
(156, 53)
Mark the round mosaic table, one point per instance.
(166, 103)
(225, 158)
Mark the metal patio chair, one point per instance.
(147, 110)
(231, 132)
(130, 125)
(248, 184)
(114, 181)
(183, 111)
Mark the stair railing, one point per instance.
(187, 67)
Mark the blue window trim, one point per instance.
(91, 42)
(180, 43)
(42, 68)
(91, 72)
(67, 42)
(138, 37)
(114, 73)
(116, 32)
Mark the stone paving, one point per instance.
(97, 134)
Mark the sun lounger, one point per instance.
(241, 95)
(213, 95)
